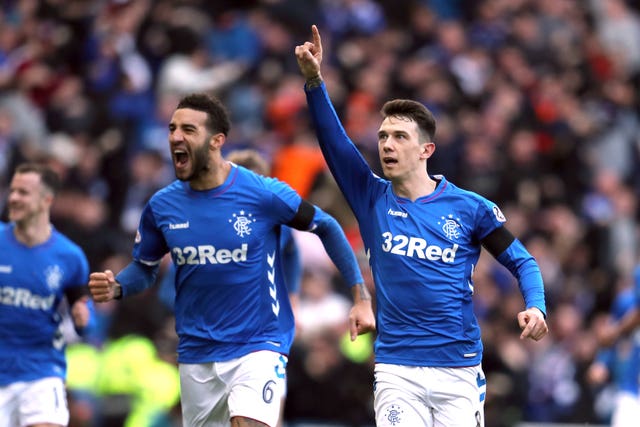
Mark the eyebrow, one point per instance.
(187, 126)
(393, 132)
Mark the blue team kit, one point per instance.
(224, 243)
(422, 254)
(33, 281)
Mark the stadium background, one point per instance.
(537, 108)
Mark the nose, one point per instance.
(175, 136)
(13, 195)
(387, 145)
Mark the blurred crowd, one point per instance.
(537, 109)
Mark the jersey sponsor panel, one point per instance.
(33, 281)
(412, 246)
(208, 254)
(223, 243)
(24, 298)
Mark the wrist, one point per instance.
(315, 81)
(117, 291)
(360, 293)
(544, 316)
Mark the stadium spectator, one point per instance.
(618, 366)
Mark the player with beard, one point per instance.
(221, 224)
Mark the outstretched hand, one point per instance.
(532, 323)
(309, 55)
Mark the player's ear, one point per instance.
(216, 141)
(428, 148)
(48, 198)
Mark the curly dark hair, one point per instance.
(217, 115)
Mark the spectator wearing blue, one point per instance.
(619, 366)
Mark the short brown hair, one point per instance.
(413, 110)
(48, 177)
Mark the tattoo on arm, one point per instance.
(362, 291)
(314, 82)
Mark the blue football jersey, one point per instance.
(231, 298)
(422, 253)
(32, 285)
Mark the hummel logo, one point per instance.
(179, 226)
(398, 213)
(6, 269)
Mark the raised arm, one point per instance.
(346, 163)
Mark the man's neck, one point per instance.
(413, 190)
(215, 177)
(32, 234)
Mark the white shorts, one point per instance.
(626, 411)
(251, 386)
(432, 397)
(41, 401)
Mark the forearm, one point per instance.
(337, 247)
(292, 269)
(359, 292)
(526, 270)
(136, 277)
(336, 146)
(83, 315)
(76, 293)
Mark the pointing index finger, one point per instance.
(528, 330)
(317, 41)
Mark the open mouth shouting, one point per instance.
(180, 159)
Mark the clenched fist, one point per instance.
(103, 286)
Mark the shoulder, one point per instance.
(68, 245)
(168, 190)
(473, 201)
(469, 196)
(266, 185)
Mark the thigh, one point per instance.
(626, 411)
(44, 401)
(257, 386)
(399, 397)
(458, 399)
(9, 401)
(203, 396)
